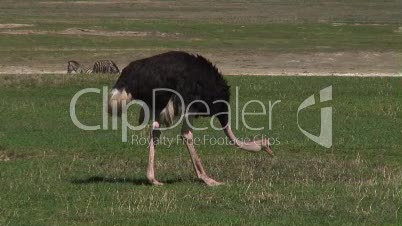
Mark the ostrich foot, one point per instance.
(210, 182)
(268, 149)
(155, 182)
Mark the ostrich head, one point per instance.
(116, 99)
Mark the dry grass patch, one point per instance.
(10, 26)
(91, 32)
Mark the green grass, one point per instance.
(224, 28)
(209, 36)
(199, 36)
(241, 26)
(52, 173)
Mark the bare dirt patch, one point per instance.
(251, 63)
(23, 70)
(11, 26)
(80, 31)
(92, 2)
(357, 24)
(308, 64)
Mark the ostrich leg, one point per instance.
(151, 164)
(199, 169)
(252, 146)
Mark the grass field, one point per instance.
(220, 29)
(53, 173)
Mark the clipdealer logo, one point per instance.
(324, 138)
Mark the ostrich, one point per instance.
(194, 78)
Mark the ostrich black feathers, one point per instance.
(192, 76)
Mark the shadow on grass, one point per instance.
(135, 181)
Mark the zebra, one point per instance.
(105, 66)
(100, 66)
(74, 67)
